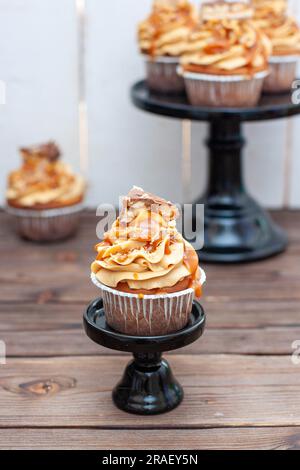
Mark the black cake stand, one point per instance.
(148, 386)
(237, 229)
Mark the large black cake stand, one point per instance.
(237, 229)
(148, 386)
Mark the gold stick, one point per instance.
(82, 105)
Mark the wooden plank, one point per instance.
(254, 314)
(231, 329)
(60, 273)
(220, 391)
(71, 284)
(39, 65)
(57, 337)
(164, 439)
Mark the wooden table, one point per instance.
(241, 388)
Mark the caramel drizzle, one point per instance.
(224, 35)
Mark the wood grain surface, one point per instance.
(242, 389)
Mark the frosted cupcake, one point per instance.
(284, 33)
(148, 274)
(44, 196)
(227, 58)
(162, 39)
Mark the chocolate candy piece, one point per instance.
(49, 151)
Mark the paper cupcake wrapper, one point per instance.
(223, 90)
(152, 315)
(221, 78)
(46, 225)
(283, 59)
(282, 74)
(162, 74)
(44, 213)
(161, 59)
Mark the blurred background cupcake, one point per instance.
(272, 17)
(227, 57)
(162, 39)
(44, 197)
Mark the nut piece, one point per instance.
(49, 151)
(137, 198)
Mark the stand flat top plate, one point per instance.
(98, 330)
(177, 106)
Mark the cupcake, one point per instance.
(227, 58)
(284, 34)
(44, 196)
(162, 39)
(147, 273)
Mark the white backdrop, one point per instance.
(41, 64)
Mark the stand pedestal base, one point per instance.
(148, 387)
(240, 235)
(236, 228)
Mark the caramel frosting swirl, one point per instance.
(143, 251)
(165, 31)
(269, 8)
(282, 29)
(43, 181)
(227, 47)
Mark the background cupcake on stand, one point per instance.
(227, 57)
(162, 39)
(272, 17)
(44, 197)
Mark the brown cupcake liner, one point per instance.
(152, 315)
(282, 74)
(222, 90)
(46, 225)
(162, 75)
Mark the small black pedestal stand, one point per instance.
(148, 386)
(237, 229)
